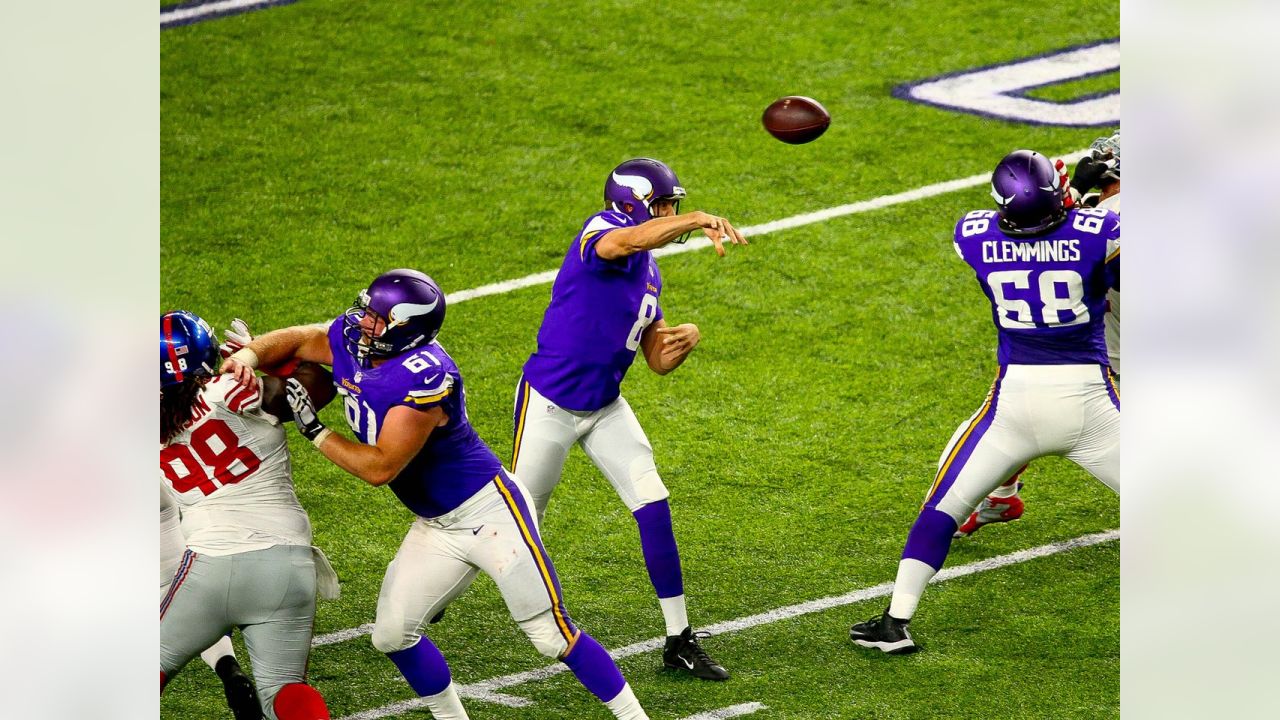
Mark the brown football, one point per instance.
(796, 119)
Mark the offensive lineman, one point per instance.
(604, 308)
(1100, 169)
(405, 402)
(1046, 271)
(249, 561)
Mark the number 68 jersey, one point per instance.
(1048, 292)
(229, 471)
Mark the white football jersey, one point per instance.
(229, 471)
(1112, 318)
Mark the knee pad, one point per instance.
(646, 483)
(545, 634)
(956, 506)
(391, 635)
(299, 701)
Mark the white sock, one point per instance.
(913, 576)
(625, 706)
(1006, 491)
(675, 614)
(446, 705)
(217, 651)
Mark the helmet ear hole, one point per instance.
(628, 208)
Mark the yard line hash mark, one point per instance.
(194, 12)
(730, 712)
(488, 690)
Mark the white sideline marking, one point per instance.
(787, 223)
(487, 689)
(729, 712)
(213, 8)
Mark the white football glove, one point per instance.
(234, 338)
(304, 411)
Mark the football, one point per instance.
(796, 119)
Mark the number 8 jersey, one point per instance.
(229, 471)
(599, 310)
(1048, 292)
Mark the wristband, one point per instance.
(320, 437)
(246, 356)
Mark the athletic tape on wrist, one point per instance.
(246, 356)
(319, 439)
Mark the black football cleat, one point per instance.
(242, 697)
(884, 633)
(684, 653)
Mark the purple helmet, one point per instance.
(410, 303)
(638, 184)
(1028, 190)
(187, 348)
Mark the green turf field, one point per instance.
(309, 147)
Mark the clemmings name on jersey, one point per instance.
(1048, 292)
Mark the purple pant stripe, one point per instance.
(960, 455)
(1109, 379)
(541, 558)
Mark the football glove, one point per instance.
(1089, 172)
(1069, 198)
(304, 411)
(234, 338)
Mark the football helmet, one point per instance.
(1028, 191)
(1108, 149)
(638, 184)
(187, 348)
(409, 303)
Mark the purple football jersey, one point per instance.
(455, 462)
(1048, 292)
(599, 310)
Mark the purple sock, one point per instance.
(930, 538)
(423, 666)
(658, 543)
(593, 667)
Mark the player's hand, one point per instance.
(243, 374)
(679, 340)
(1089, 171)
(304, 411)
(719, 230)
(234, 338)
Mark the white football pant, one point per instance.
(611, 437)
(494, 531)
(1032, 411)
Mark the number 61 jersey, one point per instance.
(229, 471)
(1048, 291)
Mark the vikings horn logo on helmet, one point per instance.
(637, 184)
(402, 312)
(1000, 199)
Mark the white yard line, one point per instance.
(488, 689)
(730, 712)
(170, 16)
(787, 223)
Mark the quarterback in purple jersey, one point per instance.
(1046, 271)
(404, 400)
(604, 309)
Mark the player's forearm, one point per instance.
(669, 362)
(280, 346)
(366, 462)
(651, 235)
